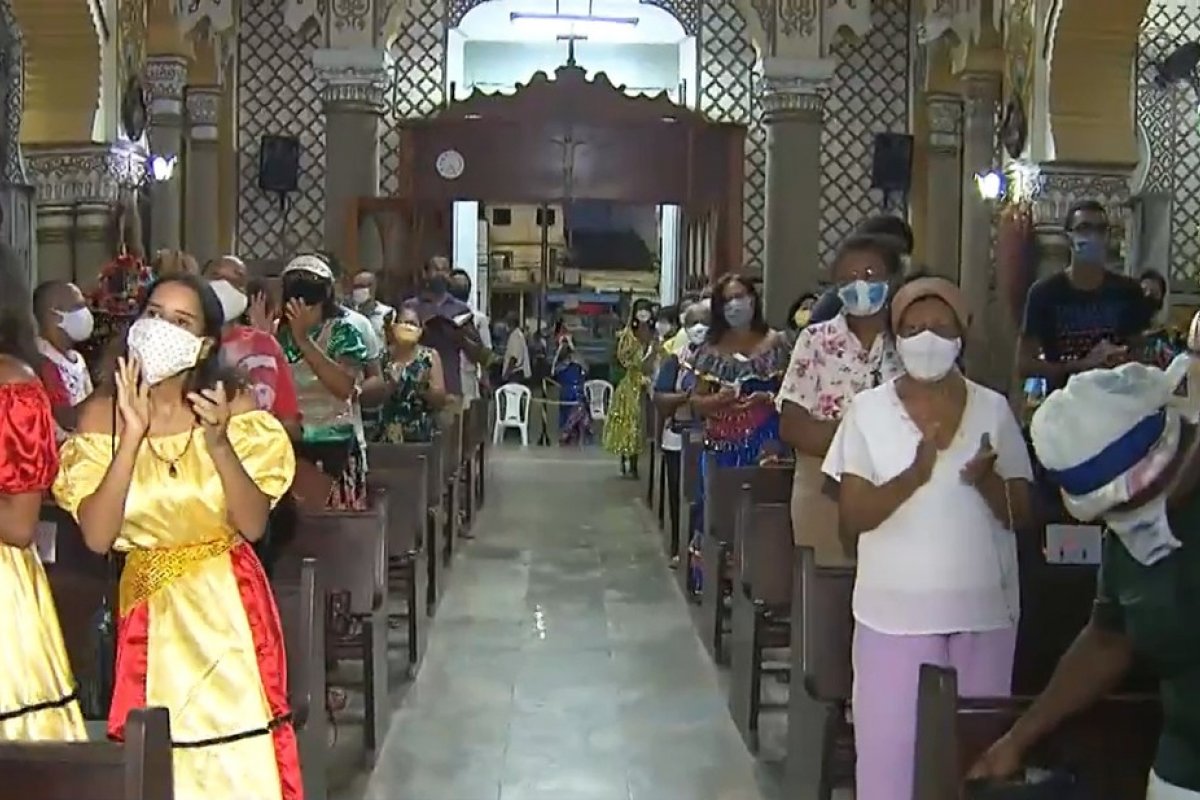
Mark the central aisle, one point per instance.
(562, 664)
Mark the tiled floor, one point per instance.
(563, 664)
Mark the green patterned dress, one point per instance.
(406, 415)
(332, 428)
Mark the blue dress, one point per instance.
(574, 418)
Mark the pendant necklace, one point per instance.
(172, 463)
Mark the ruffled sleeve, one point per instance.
(28, 456)
(84, 460)
(263, 447)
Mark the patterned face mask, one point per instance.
(164, 350)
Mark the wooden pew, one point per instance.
(451, 431)
(79, 581)
(716, 549)
(648, 433)
(820, 742)
(762, 591)
(404, 471)
(481, 421)
(351, 547)
(302, 614)
(1108, 748)
(138, 769)
(693, 451)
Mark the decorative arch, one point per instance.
(1090, 60)
(62, 69)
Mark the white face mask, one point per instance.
(663, 327)
(696, 334)
(77, 324)
(927, 356)
(643, 315)
(164, 350)
(360, 296)
(233, 302)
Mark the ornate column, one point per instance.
(989, 348)
(165, 78)
(792, 111)
(77, 190)
(17, 205)
(943, 182)
(202, 173)
(352, 97)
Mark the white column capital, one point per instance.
(793, 87)
(203, 106)
(1058, 185)
(352, 78)
(944, 113)
(165, 77)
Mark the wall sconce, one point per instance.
(990, 184)
(162, 168)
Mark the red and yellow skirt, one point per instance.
(199, 634)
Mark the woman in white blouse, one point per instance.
(935, 478)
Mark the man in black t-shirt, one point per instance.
(1086, 316)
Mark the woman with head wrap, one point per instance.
(934, 480)
(1123, 448)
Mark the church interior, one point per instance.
(469, 634)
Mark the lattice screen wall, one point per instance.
(726, 62)
(418, 80)
(868, 95)
(1169, 123)
(278, 94)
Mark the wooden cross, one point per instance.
(571, 39)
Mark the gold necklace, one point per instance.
(172, 463)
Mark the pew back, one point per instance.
(139, 769)
(721, 488)
(79, 580)
(351, 547)
(1108, 748)
(404, 471)
(302, 617)
(823, 626)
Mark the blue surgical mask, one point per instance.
(1088, 248)
(863, 298)
(739, 312)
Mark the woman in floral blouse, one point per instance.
(831, 362)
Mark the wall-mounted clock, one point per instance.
(450, 164)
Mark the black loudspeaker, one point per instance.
(279, 164)
(891, 164)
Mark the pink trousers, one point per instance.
(886, 667)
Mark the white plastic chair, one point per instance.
(512, 411)
(599, 395)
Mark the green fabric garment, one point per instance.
(1157, 607)
(342, 342)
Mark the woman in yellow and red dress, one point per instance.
(173, 467)
(37, 690)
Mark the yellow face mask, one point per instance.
(406, 332)
(802, 316)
